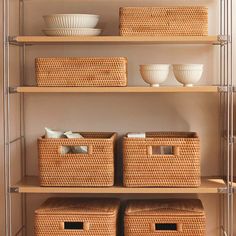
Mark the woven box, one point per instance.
(93, 168)
(164, 21)
(73, 217)
(184, 217)
(84, 72)
(162, 159)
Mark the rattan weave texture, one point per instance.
(164, 21)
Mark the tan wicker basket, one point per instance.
(86, 72)
(164, 159)
(182, 217)
(71, 216)
(93, 168)
(164, 21)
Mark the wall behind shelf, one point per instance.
(126, 112)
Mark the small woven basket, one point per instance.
(164, 21)
(164, 159)
(182, 217)
(93, 168)
(81, 72)
(71, 217)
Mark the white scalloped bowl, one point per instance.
(155, 74)
(155, 67)
(71, 20)
(72, 32)
(188, 74)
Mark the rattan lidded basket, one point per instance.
(91, 169)
(164, 21)
(73, 216)
(81, 72)
(162, 159)
(182, 217)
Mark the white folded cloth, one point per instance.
(136, 135)
(49, 133)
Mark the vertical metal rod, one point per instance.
(22, 120)
(6, 101)
(228, 123)
(231, 113)
(221, 108)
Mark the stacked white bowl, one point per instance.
(71, 25)
(154, 74)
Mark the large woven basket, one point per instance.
(164, 159)
(72, 217)
(93, 168)
(84, 72)
(184, 217)
(164, 21)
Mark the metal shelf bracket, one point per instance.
(12, 41)
(224, 39)
(12, 90)
(225, 89)
(223, 190)
(14, 190)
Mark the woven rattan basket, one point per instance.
(72, 217)
(164, 21)
(182, 217)
(93, 168)
(84, 72)
(164, 159)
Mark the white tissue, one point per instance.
(76, 149)
(49, 133)
(136, 135)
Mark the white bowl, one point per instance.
(188, 74)
(72, 32)
(154, 74)
(71, 20)
(155, 67)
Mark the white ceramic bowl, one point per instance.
(154, 74)
(188, 74)
(72, 32)
(155, 67)
(71, 20)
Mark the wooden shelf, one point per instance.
(31, 185)
(164, 89)
(116, 39)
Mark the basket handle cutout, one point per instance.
(74, 149)
(74, 225)
(158, 227)
(162, 150)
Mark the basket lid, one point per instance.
(165, 206)
(69, 206)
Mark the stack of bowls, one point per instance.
(154, 74)
(71, 25)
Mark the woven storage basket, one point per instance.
(87, 72)
(164, 159)
(164, 21)
(73, 217)
(93, 168)
(165, 218)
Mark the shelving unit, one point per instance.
(222, 185)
